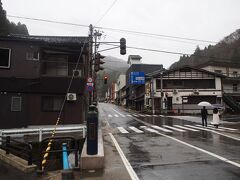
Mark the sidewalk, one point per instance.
(113, 164)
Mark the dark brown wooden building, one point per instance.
(35, 73)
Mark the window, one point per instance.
(52, 103)
(16, 104)
(5, 57)
(235, 74)
(57, 66)
(235, 87)
(32, 56)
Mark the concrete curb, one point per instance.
(93, 161)
(17, 162)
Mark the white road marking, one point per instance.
(190, 129)
(147, 115)
(154, 115)
(116, 115)
(231, 129)
(173, 128)
(110, 115)
(122, 130)
(119, 113)
(135, 129)
(213, 128)
(202, 150)
(129, 115)
(136, 115)
(205, 129)
(141, 127)
(142, 115)
(150, 130)
(128, 166)
(161, 115)
(162, 129)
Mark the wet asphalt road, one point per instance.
(155, 156)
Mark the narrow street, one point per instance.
(159, 147)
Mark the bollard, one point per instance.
(92, 131)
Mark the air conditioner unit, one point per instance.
(71, 96)
(77, 73)
(175, 91)
(195, 91)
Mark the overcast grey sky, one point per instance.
(206, 19)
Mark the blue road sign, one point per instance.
(137, 78)
(89, 88)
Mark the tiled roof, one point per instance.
(47, 39)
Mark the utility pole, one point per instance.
(152, 95)
(90, 58)
(96, 35)
(161, 74)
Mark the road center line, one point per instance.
(202, 150)
(128, 166)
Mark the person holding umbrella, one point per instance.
(204, 111)
(204, 114)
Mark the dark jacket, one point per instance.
(204, 113)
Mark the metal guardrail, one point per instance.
(17, 148)
(41, 131)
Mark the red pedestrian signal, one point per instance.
(105, 79)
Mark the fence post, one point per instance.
(7, 144)
(1, 137)
(30, 153)
(40, 134)
(76, 153)
(84, 132)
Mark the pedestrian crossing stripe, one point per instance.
(110, 115)
(182, 127)
(129, 115)
(173, 128)
(122, 130)
(150, 130)
(135, 129)
(147, 115)
(231, 129)
(161, 128)
(116, 115)
(212, 128)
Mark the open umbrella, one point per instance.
(204, 103)
(219, 106)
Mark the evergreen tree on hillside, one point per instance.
(7, 27)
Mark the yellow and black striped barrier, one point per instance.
(44, 161)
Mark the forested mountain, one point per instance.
(113, 67)
(7, 27)
(227, 50)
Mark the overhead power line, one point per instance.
(152, 34)
(49, 21)
(116, 30)
(171, 52)
(110, 7)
